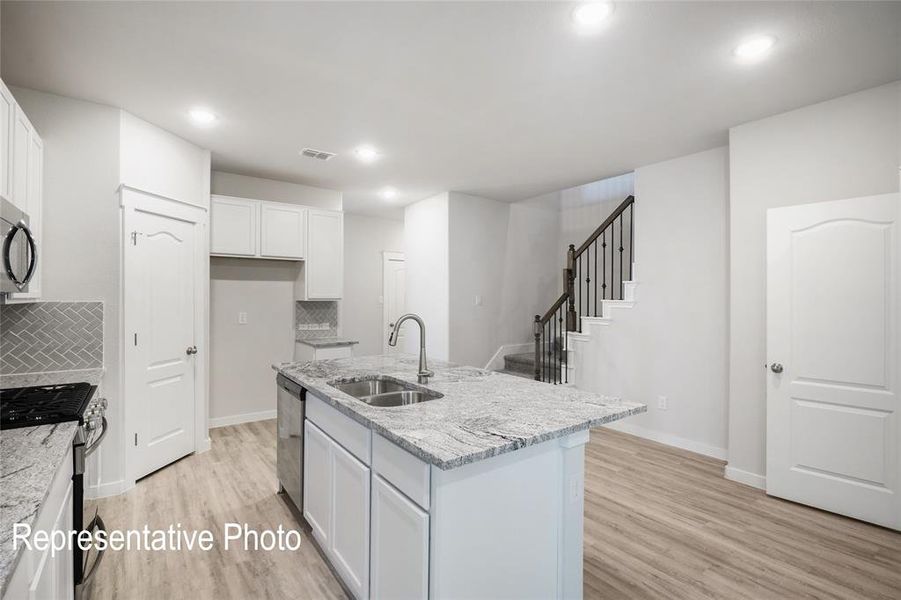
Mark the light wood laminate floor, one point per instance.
(659, 523)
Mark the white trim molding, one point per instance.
(669, 439)
(263, 415)
(745, 477)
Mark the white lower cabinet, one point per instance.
(336, 505)
(375, 537)
(47, 574)
(317, 488)
(400, 545)
(350, 520)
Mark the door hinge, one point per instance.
(134, 238)
(136, 339)
(136, 439)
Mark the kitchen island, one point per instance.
(475, 493)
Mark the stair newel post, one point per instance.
(536, 330)
(569, 279)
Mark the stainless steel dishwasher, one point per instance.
(289, 449)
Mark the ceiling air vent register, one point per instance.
(317, 154)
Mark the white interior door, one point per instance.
(394, 294)
(832, 325)
(160, 284)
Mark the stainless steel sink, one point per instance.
(383, 392)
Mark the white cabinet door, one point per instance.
(350, 520)
(282, 230)
(7, 113)
(317, 483)
(21, 142)
(400, 545)
(325, 257)
(233, 226)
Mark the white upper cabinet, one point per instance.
(22, 177)
(233, 226)
(7, 112)
(325, 255)
(282, 230)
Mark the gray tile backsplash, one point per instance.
(51, 336)
(316, 312)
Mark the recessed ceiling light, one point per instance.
(754, 48)
(202, 116)
(366, 154)
(388, 193)
(590, 15)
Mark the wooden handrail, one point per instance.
(550, 312)
(607, 222)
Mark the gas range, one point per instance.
(45, 405)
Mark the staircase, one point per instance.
(597, 277)
(523, 364)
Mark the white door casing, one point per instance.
(163, 241)
(832, 324)
(393, 297)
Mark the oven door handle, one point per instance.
(94, 443)
(96, 523)
(32, 249)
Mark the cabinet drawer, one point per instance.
(355, 438)
(405, 472)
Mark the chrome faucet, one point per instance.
(424, 373)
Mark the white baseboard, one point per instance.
(497, 361)
(746, 477)
(263, 415)
(104, 490)
(670, 440)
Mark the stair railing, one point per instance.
(611, 248)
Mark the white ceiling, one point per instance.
(498, 99)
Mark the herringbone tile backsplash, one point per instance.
(51, 336)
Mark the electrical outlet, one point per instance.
(662, 403)
(242, 318)
(478, 301)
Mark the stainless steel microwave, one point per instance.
(20, 251)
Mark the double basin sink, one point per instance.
(383, 392)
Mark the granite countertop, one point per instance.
(29, 458)
(482, 413)
(327, 341)
(91, 376)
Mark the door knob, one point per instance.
(191, 350)
(776, 367)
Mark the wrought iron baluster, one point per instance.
(604, 267)
(595, 278)
(620, 257)
(631, 246)
(588, 282)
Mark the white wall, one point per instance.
(532, 276)
(242, 186)
(365, 238)
(674, 341)
(80, 245)
(426, 245)
(843, 148)
(242, 384)
(477, 244)
(156, 161)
